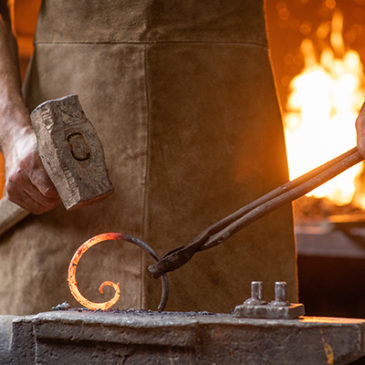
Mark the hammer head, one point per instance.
(71, 152)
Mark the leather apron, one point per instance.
(181, 94)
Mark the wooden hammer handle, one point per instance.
(10, 214)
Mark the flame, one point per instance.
(322, 108)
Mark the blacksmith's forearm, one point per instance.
(13, 113)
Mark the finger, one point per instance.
(362, 110)
(28, 203)
(21, 190)
(360, 129)
(40, 179)
(44, 185)
(31, 190)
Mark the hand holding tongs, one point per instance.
(225, 228)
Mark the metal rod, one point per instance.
(225, 228)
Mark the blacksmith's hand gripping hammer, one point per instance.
(72, 155)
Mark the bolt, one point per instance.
(256, 290)
(256, 294)
(280, 295)
(280, 291)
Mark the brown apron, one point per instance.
(182, 96)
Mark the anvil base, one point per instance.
(135, 337)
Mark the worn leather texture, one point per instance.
(182, 96)
(152, 21)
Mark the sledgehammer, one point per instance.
(72, 155)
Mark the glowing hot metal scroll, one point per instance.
(72, 283)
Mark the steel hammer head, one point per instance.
(71, 152)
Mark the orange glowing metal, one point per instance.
(72, 283)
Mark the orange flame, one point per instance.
(322, 107)
(72, 283)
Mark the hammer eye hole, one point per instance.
(79, 148)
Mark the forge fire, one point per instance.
(321, 84)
